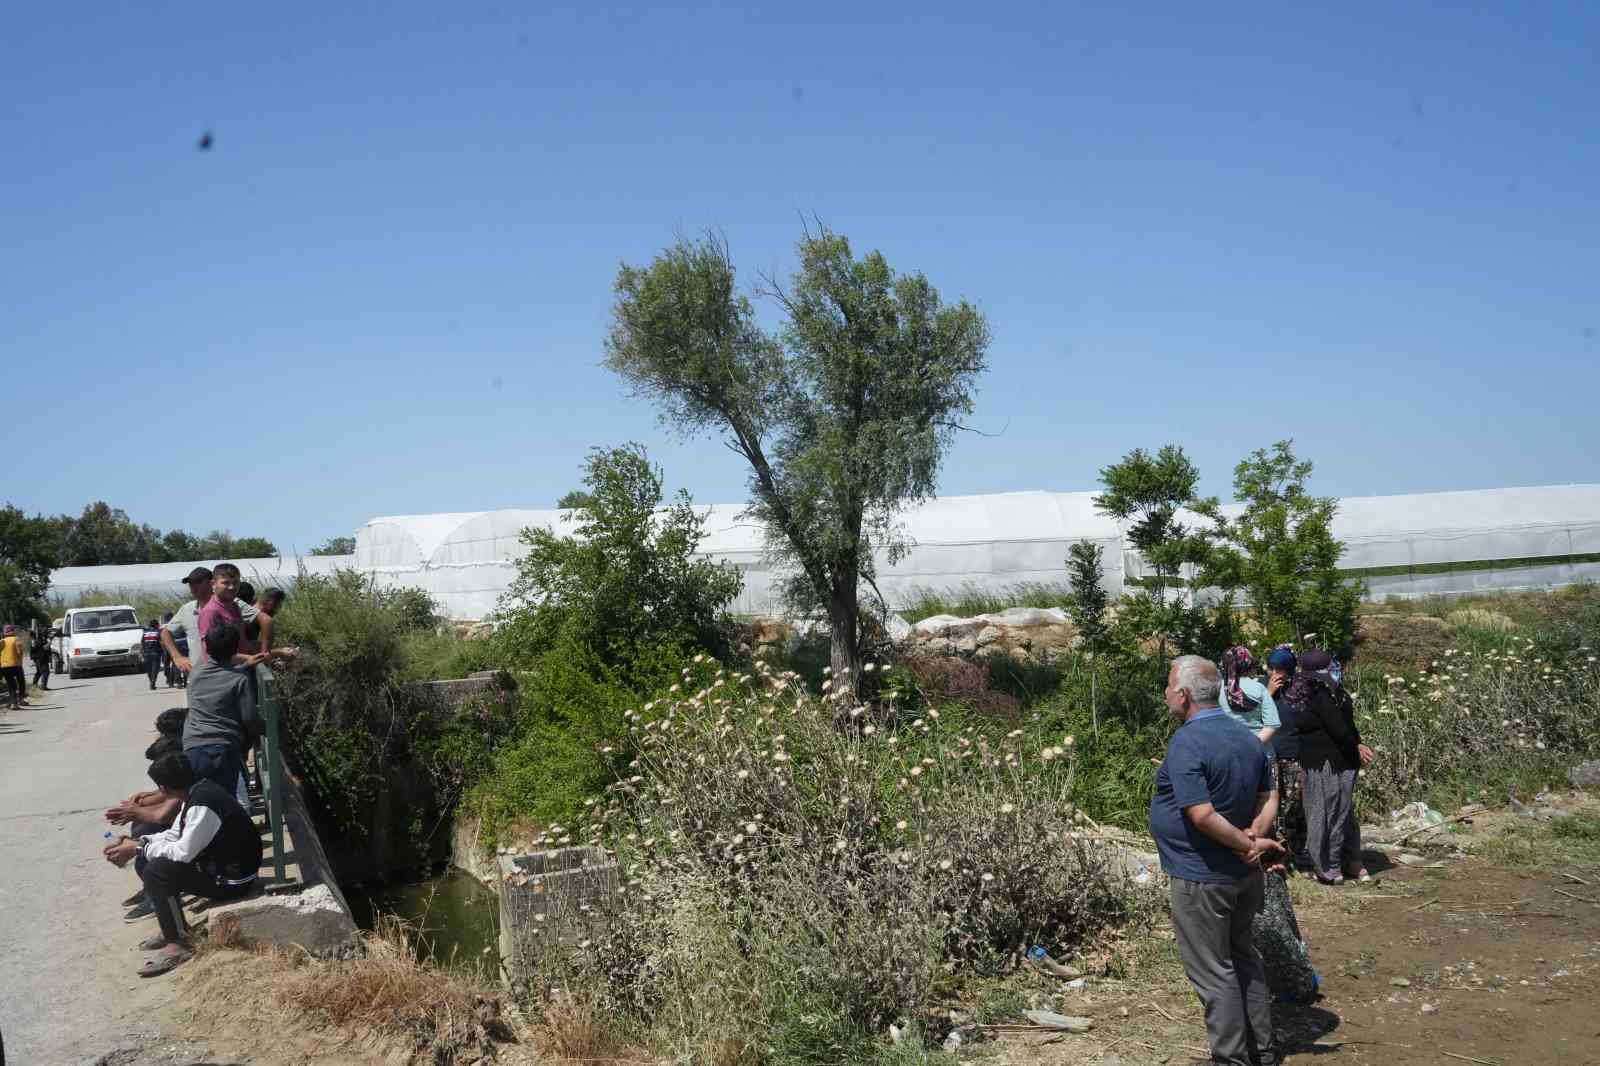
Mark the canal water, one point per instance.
(454, 918)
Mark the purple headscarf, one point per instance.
(1237, 664)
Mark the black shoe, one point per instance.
(143, 909)
(133, 900)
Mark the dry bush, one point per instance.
(792, 884)
(387, 992)
(951, 679)
(1399, 641)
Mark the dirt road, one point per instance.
(1467, 962)
(66, 958)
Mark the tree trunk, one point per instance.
(843, 609)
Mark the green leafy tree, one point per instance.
(626, 578)
(254, 548)
(176, 546)
(105, 536)
(1087, 607)
(573, 500)
(1148, 491)
(29, 548)
(1283, 553)
(1088, 602)
(336, 546)
(844, 416)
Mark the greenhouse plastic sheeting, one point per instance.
(467, 560)
(990, 541)
(166, 579)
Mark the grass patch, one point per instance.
(970, 599)
(1566, 843)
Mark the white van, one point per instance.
(101, 638)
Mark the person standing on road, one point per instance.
(185, 622)
(41, 660)
(150, 642)
(1212, 791)
(166, 659)
(1331, 756)
(11, 667)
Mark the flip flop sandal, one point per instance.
(163, 963)
(153, 943)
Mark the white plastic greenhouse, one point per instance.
(166, 579)
(1402, 546)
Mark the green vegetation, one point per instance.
(844, 416)
(800, 878)
(1570, 843)
(336, 546)
(1282, 552)
(28, 552)
(594, 625)
(968, 600)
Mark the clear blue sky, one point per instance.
(1375, 229)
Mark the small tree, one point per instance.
(1149, 490)
(1087, 607)
(573, 500)
(28, 551)
(336, 546)
(843, 418)
(626, 578)
(1282, 551)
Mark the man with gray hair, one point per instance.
(1213, 790)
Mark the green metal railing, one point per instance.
(269, 766)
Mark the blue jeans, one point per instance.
(222, 763)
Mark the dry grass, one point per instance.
(388, 991)
(384, 999)
(1481, 618)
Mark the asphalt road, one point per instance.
(67, 960)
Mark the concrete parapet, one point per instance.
(544, 896)
(314, 920)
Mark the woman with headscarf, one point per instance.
(1246, 698)
(1281, 666)
(1331, 755)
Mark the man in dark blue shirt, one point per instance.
(1213, 801)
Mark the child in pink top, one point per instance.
(224, 603)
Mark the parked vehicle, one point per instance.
(100, 638)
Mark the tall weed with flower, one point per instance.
(794, 861)
(1493, 715)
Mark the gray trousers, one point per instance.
(1333, 836)
(1220, 958)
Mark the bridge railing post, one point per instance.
(269, 765)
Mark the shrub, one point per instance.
(797, 885)
(942, 679)
(1479, 720)
(566, 748)
(627, 575)
(350, 703)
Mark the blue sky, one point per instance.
(1372, 228)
